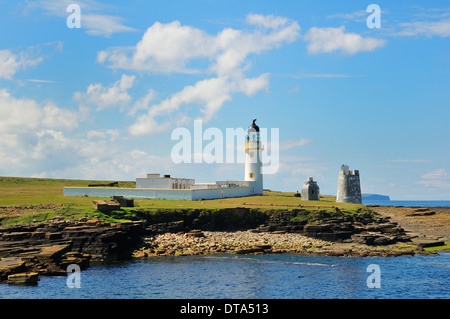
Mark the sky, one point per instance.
(340, 83)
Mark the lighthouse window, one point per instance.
(251, 175)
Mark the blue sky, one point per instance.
(101, 101)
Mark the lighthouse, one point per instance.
(253, 163)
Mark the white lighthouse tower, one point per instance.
(253, 163)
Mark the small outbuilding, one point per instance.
(310, 190)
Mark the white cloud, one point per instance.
(104, 25)
(209, 95)
(110, 134)
(325, 40)
(301, 170)
(39, 139)
(358, 16)
(290, 144)
(438, 179)
(437, 174)
(170, 47)
(93, 17)
(253, 85)
(40, 81)
(143, 103)
(163, 48)
(175, 48)
(26, 114)
(104, 97)
(435, 183)
(55, 117)
(425, 28)
(10, 63)
(32, 134)
(49, 142)
(269, 21)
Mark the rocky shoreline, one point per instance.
(27, 251)
(48, 248)
(421, 223)
(237, 242)
(248, 242)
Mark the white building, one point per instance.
(165, 182)
(166, 187)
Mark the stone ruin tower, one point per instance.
(349, 187)
(310, 190)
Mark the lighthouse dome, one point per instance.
(253, 127)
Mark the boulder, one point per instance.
(318, 228)
(247, 251)
(52, 236)
(384, 240)
(54, 252)
(28, 279)
(105, 206)
(124, 202)
(79, 259)
(16, 236)
(38, 235)
(195, 233)
(168, 227)
(424, 243)
(11, 265)
(375, 239)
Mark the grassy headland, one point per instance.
(25, 200)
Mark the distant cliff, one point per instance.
(374, 197)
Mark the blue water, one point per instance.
(281, 276)
(408, 203)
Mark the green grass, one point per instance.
(38, 193)
(447, 247)
(33, 195)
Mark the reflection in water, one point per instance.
(240, 277)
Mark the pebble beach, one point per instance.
(239, 242)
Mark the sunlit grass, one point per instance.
(36, 193)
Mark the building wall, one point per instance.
(164, 183)
(203, 186)
(253, 165)
(171, 194)
(128, 193)
(232, 183)
(310, 190)
(349, 186)
(224, 192)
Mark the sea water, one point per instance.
(272, 276)
(277, 276)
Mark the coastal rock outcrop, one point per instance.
(27, 279)
(48, 248)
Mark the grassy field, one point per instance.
(25, 200)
